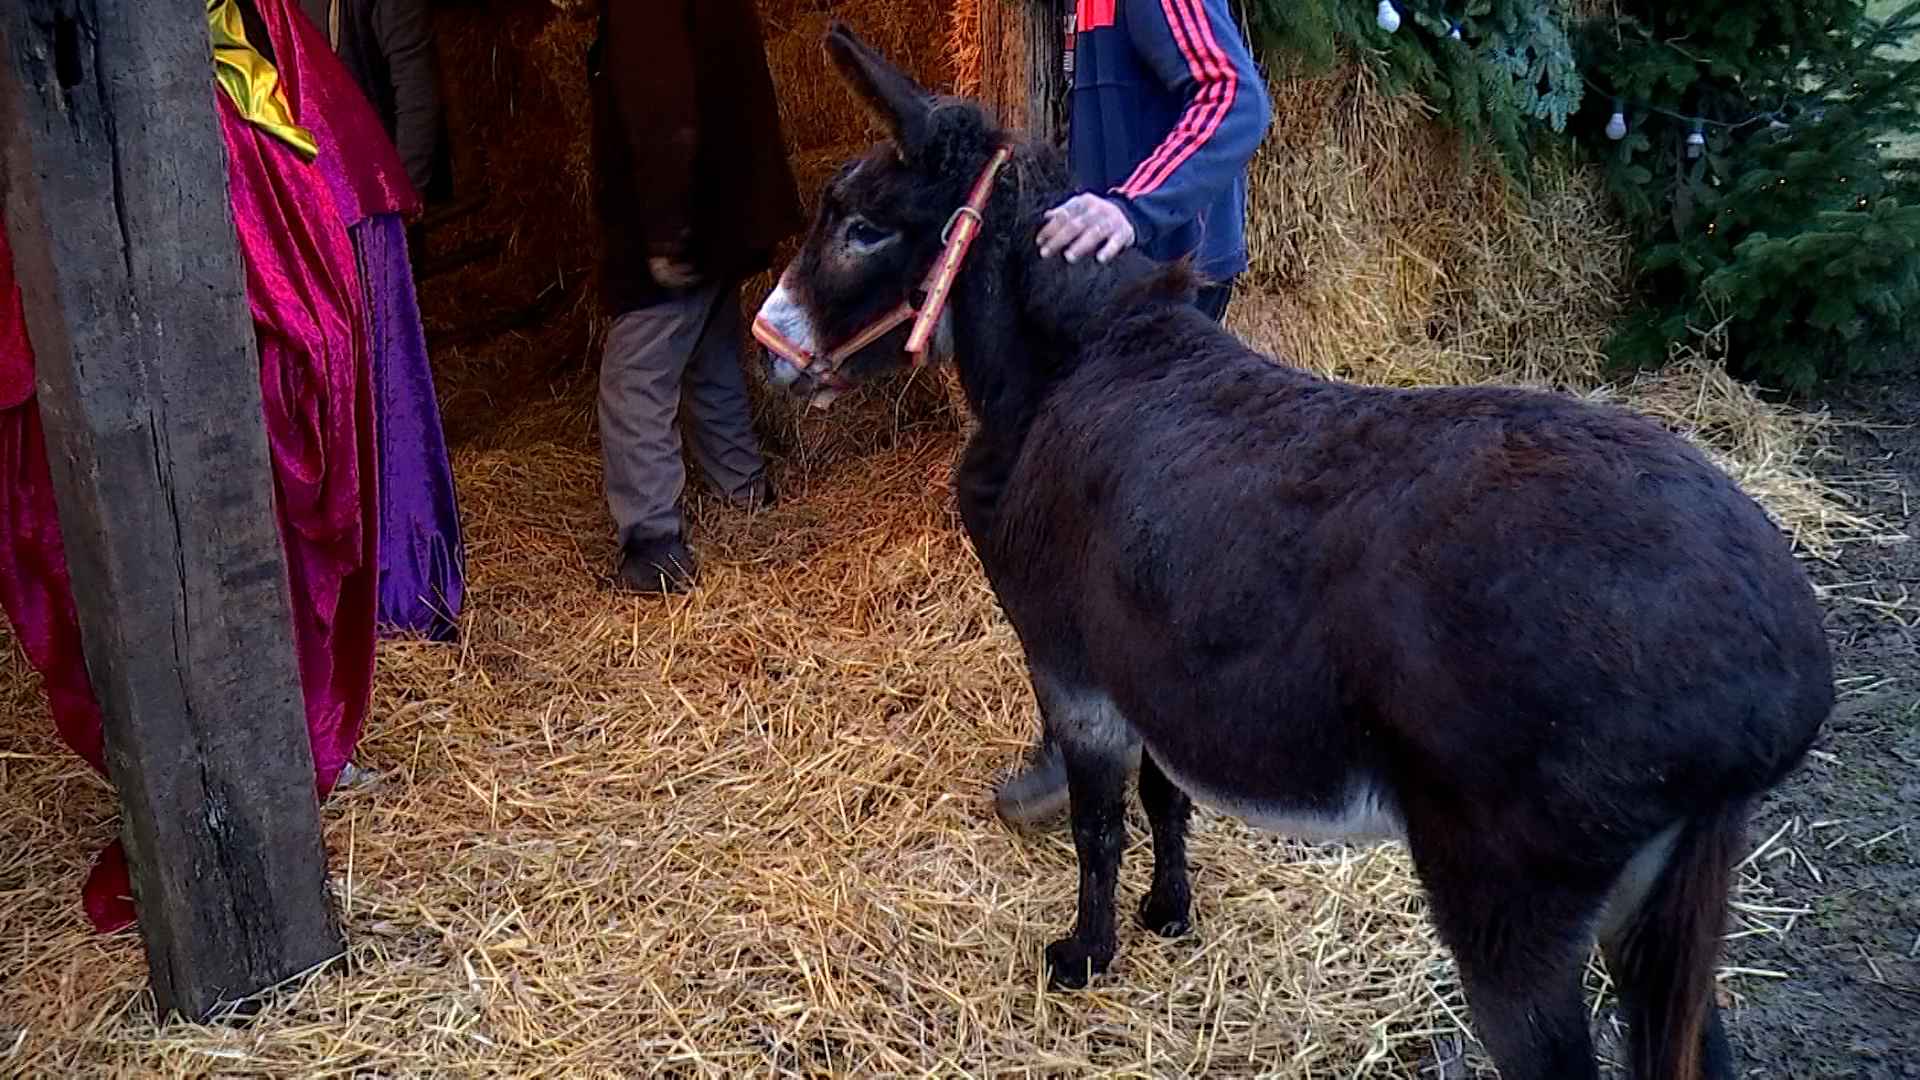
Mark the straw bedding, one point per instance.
(748, 830)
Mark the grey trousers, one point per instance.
(684, 349)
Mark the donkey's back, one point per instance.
(1495, 583)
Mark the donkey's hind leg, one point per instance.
(1096, 744)
(1522, 942)
(1167, 908)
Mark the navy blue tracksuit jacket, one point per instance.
(1167, 109)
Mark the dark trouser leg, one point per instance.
(648, 354)
(641, 372)
(1213, 300)
(720, 422)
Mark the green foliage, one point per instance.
(1537, 58)
(1510, 68)
(1790, 229)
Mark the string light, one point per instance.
(1860, 203)
(1617, 123)
(1387, 16)
(1454, 32)
(1772, 115)
(1696, 141)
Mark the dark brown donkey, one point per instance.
(1546, 644)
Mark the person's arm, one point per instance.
(650, 63)
(1196, 49)
(404, 29)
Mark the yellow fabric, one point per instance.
(250, 81)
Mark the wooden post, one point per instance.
(1021, 77)
(149, 385)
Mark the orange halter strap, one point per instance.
(962, 228)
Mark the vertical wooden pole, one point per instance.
(1022, 78)
(149, 385)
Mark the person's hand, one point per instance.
(670, 267)
(1086, 225)
(672, 273)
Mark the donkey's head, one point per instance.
(855, 299)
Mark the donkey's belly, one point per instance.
(1364, 812)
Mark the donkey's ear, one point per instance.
(902, 104)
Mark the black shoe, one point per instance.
(1036, 795)
(659, 565)
(761, 496)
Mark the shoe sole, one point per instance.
(1032, 812)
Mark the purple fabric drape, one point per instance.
(421, 556)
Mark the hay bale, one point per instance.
(817, 110)
(518, 120)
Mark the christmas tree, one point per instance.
(1499, 70)
(1748, 145)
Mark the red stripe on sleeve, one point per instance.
(1209, 64)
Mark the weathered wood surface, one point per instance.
(1021, 77)
(116, 198)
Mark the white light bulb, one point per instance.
(1387, 16)
(1617, 126)
(1455, 32)
(1696, 144)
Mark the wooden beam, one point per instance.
(149, 385)
(1022, 77)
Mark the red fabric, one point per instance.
(308, 308)
(16, 360)
(369, 178)
(33, 564)
(1093, 14)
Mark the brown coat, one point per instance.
(688, 156)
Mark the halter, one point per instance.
(962, 227)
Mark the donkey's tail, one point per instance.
(1663, 957)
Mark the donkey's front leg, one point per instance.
(1095, 742)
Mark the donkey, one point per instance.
(1545, 644)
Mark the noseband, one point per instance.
(962, 227)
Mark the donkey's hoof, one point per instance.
(1071, 965)
(1167, 918)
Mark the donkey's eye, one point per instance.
(865, 233)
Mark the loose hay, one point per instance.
(748, 830)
